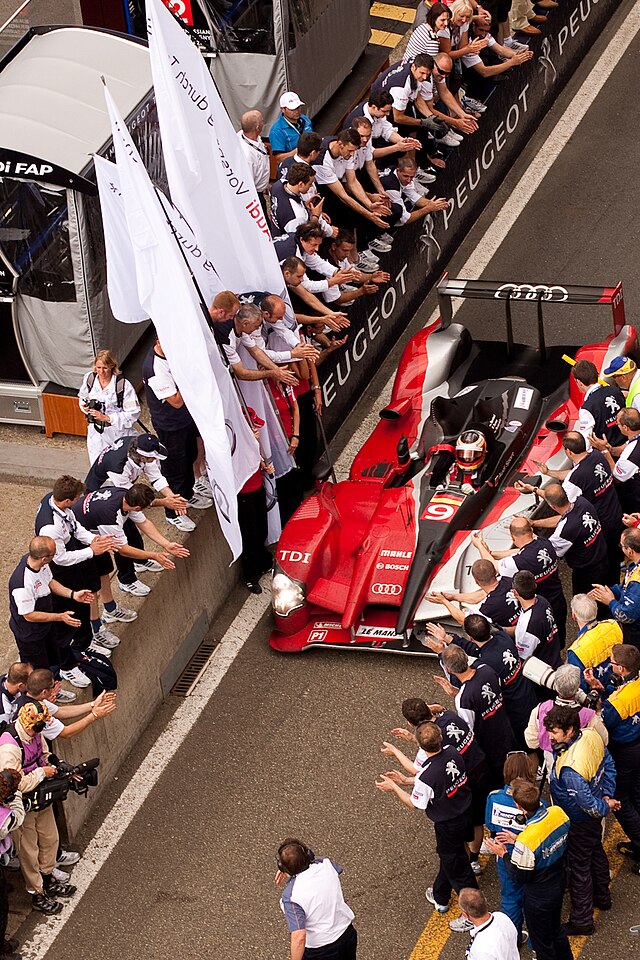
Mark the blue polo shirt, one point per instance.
(284, 135)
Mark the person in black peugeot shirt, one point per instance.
(493, 599)
(498, 650)
(600, 404)
(442, 790)
(536, 630)
(578, 538)
(480, 702)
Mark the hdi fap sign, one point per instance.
(22, 166)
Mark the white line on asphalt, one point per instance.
(186, 716)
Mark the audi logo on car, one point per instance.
(386, 589)
(528, 291)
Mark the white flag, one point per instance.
(208, 174)
(121, 271)
(166, 291)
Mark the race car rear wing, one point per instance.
(528, 292)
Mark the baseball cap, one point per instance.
(619, 366)
(150, 446)
(256, 421)
(290, 100)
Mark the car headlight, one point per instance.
(287, 595)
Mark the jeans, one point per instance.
(511, 896)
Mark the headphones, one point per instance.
(307, 852)
(559, 748)
(520, 819)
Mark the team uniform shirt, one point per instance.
(423, 39)
(497, 939)
(598, 412)
(257, 156)
(381, 127)
(578, 537)
(540, 849)
(471, 60)
(63, 527)
(500, 653)
(284, 134)
(8, 702)
(405, 196)
(363, 155)
(288, 247)
(441, 787)
(621, 714)
(625, 605)
(539, 558)
(582, 776)
(29, 591)
(114, 468)
(500, 606)
(592, 479)
(456, 733)
(102, 511)
(501, 812)
(592, 650)
(160, 384)
(330, 169)
(626, 475)
(479, 701)
(288, 210)
(122, 418)
(312, 901)
(537, 633)
(401, 84)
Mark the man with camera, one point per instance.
(318, 919)
(41, 687)
(582, 783)
(25, 749)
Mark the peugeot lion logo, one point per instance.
(527, 291)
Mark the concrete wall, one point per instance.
(172, 621)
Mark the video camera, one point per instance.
(541, 673)
(96, 405)
(78, 779)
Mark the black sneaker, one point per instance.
(253, 587)
(45, 904)
(573, 930)
(56, 889)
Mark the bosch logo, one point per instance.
(386, 589)
(527, 291)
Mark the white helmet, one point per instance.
(471, 449)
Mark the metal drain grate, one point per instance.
(195, 668)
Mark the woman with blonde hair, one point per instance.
(109, 403)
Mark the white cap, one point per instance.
(291, 101)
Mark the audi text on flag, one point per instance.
(166, 291)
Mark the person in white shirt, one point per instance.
(255, 151)
(407, 204)
(493, 935)
(313, 905)
(117, 404)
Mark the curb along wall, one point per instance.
(474, 171)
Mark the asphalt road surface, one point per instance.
(291, 745)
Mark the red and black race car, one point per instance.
(355, 561)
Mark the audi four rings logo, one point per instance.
(386, 589)
(527, 291)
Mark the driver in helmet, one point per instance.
(471, 452)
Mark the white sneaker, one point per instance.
(105, 638)
(424, 177)
(458, 136)
(379, 246)
(514, 45)
(119, 615)
(203, 487)
(76, 677)
(477, 868)
(137, 588)
(460, 925)
(386, 238)
(440, 907)
(448, 141)
(475, 105)
(60, 875)
(95, 647)
(484, 850)
(185, 524)
(66, 696)
(198, 502)
(67, 858)
(148, 566)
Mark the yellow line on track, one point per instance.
(381, 38)
(435, 935)
(390, 11)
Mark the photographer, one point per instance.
(12, 815)
(37, 842)
(109, 402)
